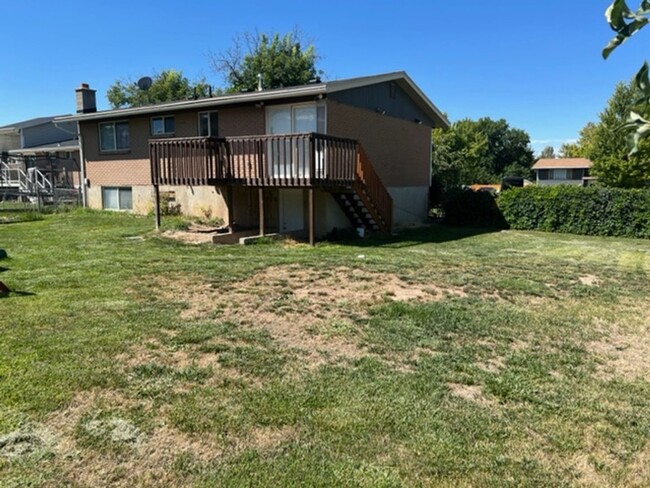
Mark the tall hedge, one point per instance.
(591, 211)
(472, 208)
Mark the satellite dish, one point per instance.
(144, 83)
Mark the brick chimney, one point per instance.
(86, 102)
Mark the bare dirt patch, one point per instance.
(471, 393)
(190, 237)
(589, 280)
(296, 305)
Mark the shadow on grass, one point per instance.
(433, 233)
(17, 294)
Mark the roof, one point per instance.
(312, 89)
(567, 163)
(29, 123)
(70, 145)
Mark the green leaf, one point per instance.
(616, 15)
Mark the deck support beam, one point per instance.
(312, 235)
(231, 212)
(156, 190)
(260, 193)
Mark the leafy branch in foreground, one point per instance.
(626, 23)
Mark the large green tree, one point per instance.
(167, 86)
(281, 61)
(606, 145)
(480, 151)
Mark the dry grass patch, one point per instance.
(300, 307)
(471, 393)
(623, 354)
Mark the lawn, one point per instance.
(449, 357)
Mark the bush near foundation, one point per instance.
(572, 209)
(472, 208)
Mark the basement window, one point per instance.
(117, 198)
(162, 126)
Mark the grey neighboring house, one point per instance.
(41, 143)
(563, 171)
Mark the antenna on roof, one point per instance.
(144, 83)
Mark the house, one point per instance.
(345, 153)
(39, 153)
(564, 171)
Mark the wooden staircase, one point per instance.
(367, 203)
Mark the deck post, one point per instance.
(260, 192)
(231, 213)
(312, 239)
(156, 190)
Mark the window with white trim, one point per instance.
(162, 126)
(208, 124)
(117, 198)
(114, 136)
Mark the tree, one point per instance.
(607, 146)
(481, 151)
(547, 153)
(167, 86)
(281, 60)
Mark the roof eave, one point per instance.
(251, 97)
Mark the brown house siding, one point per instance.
(399, 149)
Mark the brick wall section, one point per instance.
(132, 167)
(398, 149)
(242, 121)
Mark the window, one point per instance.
(114, 136)
(208, 124)
(577, 174)
(542, 174)
(117, 198)
(161, 126)
(559, 174)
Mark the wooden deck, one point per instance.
(308, 160)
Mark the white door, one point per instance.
(292, 216)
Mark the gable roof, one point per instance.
(313, 89)
(563, 163)
(25, 124)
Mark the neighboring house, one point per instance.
(315, 157)
(566, 171)
(43, 145)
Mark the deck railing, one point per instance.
(308, 159)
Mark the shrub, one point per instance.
(472, 208)
(590, 211)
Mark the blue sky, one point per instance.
(535, 63)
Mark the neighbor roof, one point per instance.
(566, 163)
(313, 89)
(29, 123)
(69, 145)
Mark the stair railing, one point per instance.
(373, 193)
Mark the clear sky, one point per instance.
(535, 63)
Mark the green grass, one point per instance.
(134, 360)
